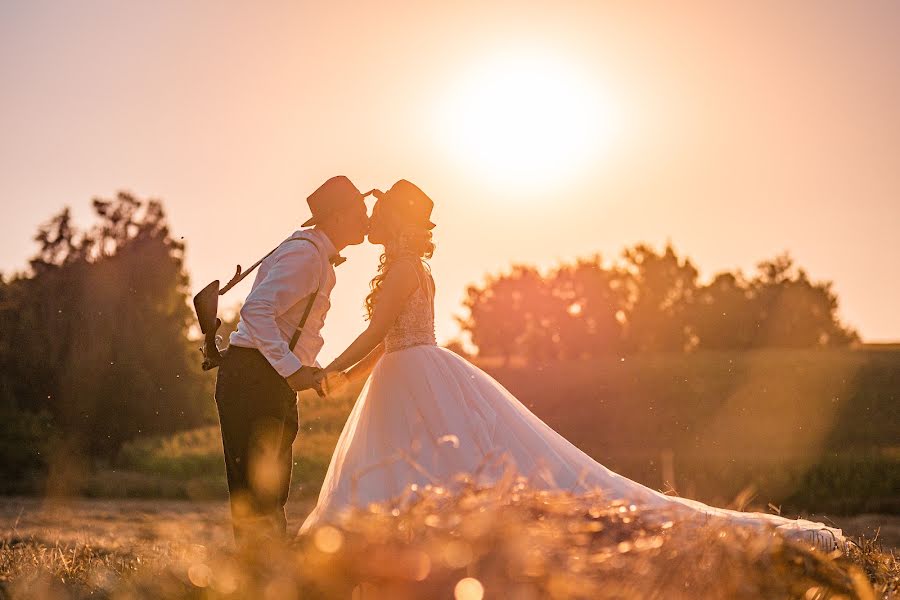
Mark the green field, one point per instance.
(807, 431)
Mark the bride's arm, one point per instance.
(399, 282)
(333, 382)
(362, 369)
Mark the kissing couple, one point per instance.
(424, 415)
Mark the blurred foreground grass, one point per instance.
(507, 541)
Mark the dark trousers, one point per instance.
(258, 416)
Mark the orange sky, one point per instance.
(736, 132)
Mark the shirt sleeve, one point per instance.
(294, 276)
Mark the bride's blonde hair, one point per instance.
(407, 242)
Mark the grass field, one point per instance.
(520, 545)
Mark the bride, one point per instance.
(426, 415)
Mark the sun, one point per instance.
(527, 121)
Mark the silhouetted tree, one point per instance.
(574, 311)
(722, 314)
(594, 298)
(98, 329)
(650, 302)
(661, 287)
(794, 312)
(504, 302)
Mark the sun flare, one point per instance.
(527, 121)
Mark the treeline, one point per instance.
(649, 301)
(94, 348)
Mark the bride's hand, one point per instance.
(335, 382)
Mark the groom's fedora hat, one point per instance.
(332, 196)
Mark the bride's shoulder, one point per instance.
(411, 264)
(402, 274)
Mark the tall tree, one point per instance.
(101, 326)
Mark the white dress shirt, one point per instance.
(276, 302)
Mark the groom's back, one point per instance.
(278, 297)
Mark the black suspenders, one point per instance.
(309, 304)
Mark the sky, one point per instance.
(543, 131)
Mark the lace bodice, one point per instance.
(415, 324)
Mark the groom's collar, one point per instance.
(327, 245)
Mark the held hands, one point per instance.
(332, 382)
(325, 383)
(305, 378)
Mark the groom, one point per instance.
(272, 356)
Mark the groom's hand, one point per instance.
(305, 378)
(334, 382)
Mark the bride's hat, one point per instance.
(406, 199)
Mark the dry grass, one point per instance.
(508, 541)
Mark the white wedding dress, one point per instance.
(427, 415)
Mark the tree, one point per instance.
(499, 312)
(660, 289)
(722, 315)
(572, 312)
(100, 329)
(794, 312)
(594, 299)
(650, 302)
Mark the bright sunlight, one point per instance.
(528, 121)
